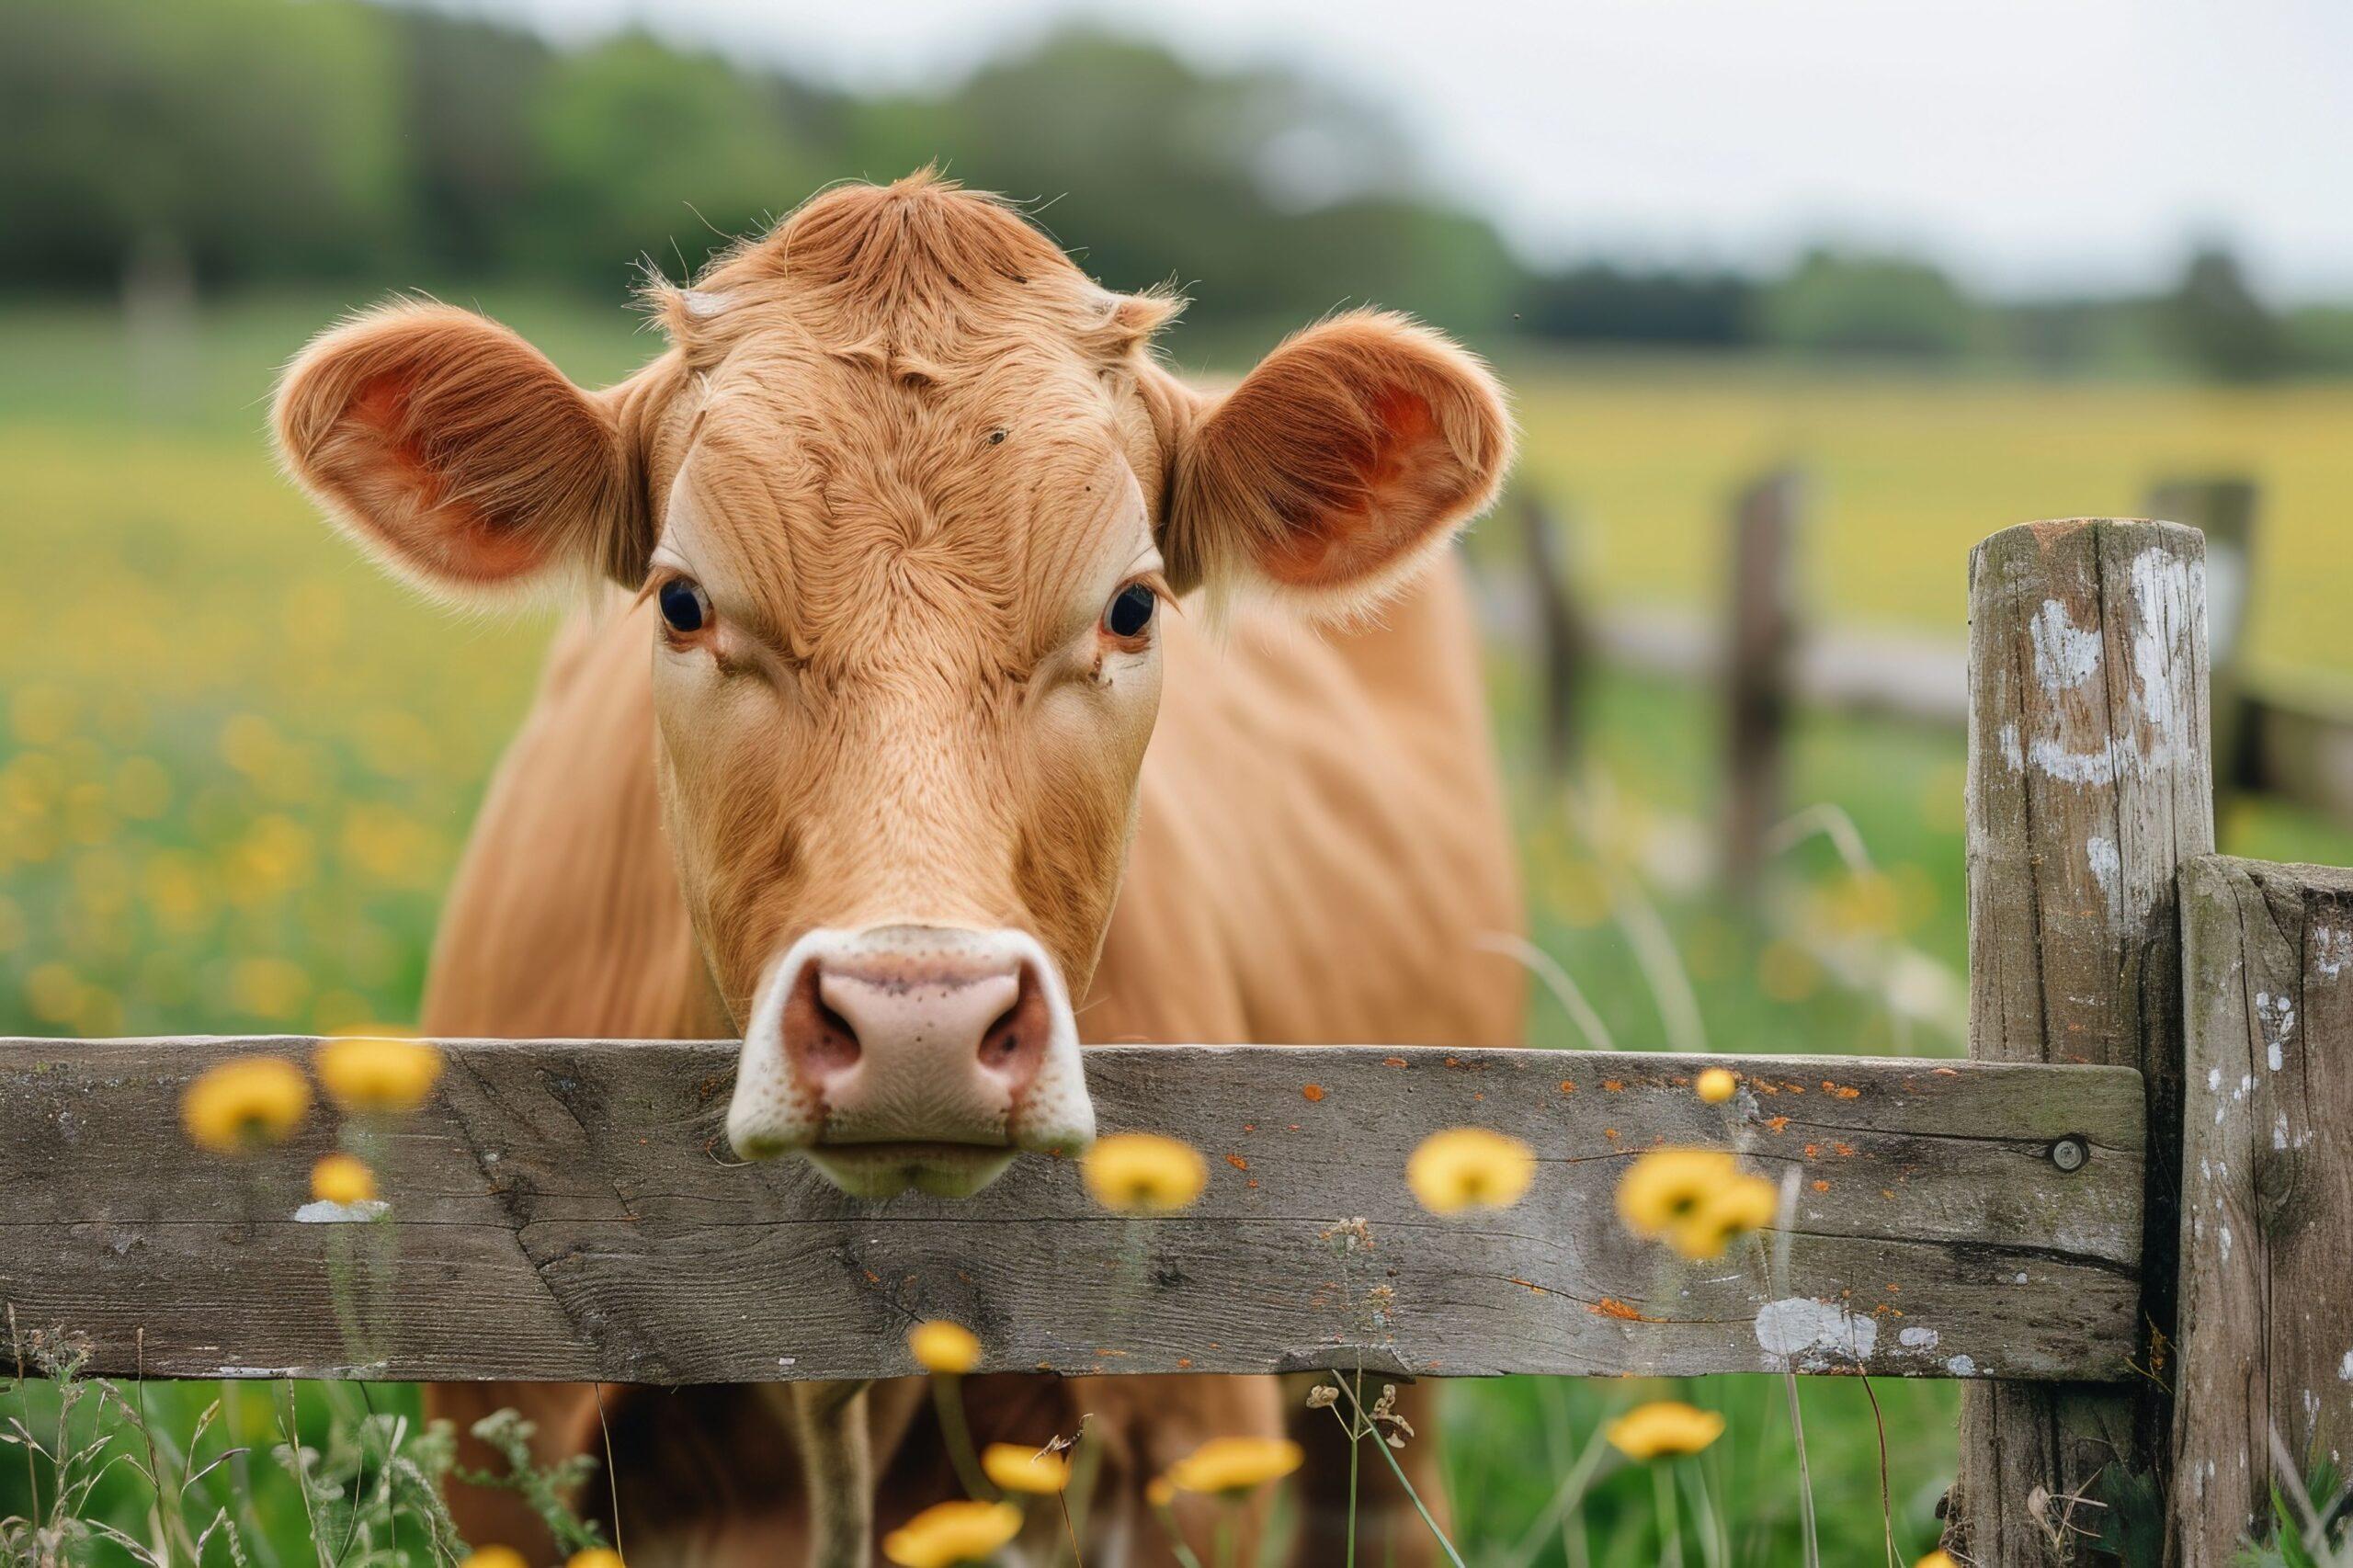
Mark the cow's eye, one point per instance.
(685, 607)
(1130, 610)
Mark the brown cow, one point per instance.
(908, 510)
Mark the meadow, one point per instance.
(237, 765)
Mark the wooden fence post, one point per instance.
(2088, 787)
(2266, 1379)
(1566, 639)
(1760, 668)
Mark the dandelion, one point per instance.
(1716, 1084)
(943, 1346)
(1234, 1464)
(1664, 1429)
(244, 1104)
(1665, 1186)
(1017, 1468)
(339, 1178)
(1160, 1492)
(1940, 1558)
(1142, 1173)
(1744, 1205)
(494, 1557)
(52, 991)
(1787, 972)
(373, 1072)
(949, 1533)
(272, 988)
(948, 1351)
(594, 1557)
(1863, 905)
(1470, 1167)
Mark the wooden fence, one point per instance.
(2140, 1184)
(2291, 739)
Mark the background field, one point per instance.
(1909, 470)
(238, 764)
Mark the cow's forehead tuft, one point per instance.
(921, 276)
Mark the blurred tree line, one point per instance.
(248, 141)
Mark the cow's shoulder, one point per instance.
(565, 917)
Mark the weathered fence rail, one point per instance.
(568, 1210)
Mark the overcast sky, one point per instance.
(2032, 145)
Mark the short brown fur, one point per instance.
(904, 431)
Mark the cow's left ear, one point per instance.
(1339, 465)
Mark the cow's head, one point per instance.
(905, 502)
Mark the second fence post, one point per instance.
(1760, 675)
(2088, 787)
(2225, 510)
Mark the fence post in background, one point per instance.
(1760, 668)
(2088, 787)
(2267, 1323)
(159, 322)
(2224, 510)
(1567, 643)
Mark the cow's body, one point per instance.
(908, 769)
(1321, 840)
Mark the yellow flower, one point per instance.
(1663, 1427)
(1234, 1464)
(494, 1557)
(947, 1533)
(594, 1557)
(1470, 1167)
(1940, 1558)
(943, 1346)
(1745, 1204)
(1716, 1084)
(339, 1178)
(243, 1104)
(1160, 1492)
(1666, 1184)
(1019, 1469)
(373, 1072)
(1142, 1173)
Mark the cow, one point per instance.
(948, 685)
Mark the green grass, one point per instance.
(236, 765)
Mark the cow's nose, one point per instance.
(870, 1027)
(901, 1054)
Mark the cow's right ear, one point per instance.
(1338, 467)
(454, 450)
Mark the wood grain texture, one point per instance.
(2089, 785)
(568, 1211)
(2266, 1321)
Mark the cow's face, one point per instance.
(905, 506)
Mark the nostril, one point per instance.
(839, 1040)
(818, 1039)
(1015, 1045)
(1002, 1041)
